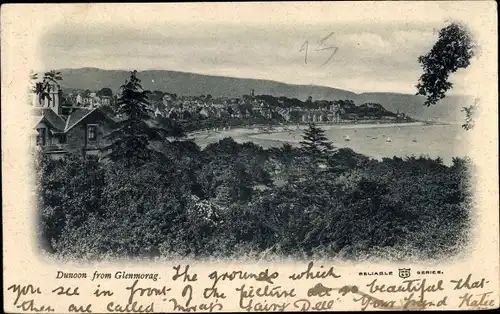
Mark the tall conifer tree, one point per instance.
(316, 145)
(133, 133)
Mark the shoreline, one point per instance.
(251, 131)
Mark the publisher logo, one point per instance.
(404, 272)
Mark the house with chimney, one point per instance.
(60, 128)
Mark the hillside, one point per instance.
(447, 110)
(197, 84)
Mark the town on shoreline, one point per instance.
(64, 112)
(204, 112)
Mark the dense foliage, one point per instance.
(229, 199)
(452, 51)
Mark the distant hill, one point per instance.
(182, 83)
(447, 110)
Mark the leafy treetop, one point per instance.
(453, 50)
(42, 88)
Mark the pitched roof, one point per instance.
(51, 117)
(81, 113)
(60, 124)
(76, 116)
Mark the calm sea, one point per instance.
(445, 141)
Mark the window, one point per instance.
(62, 139)
(92, 132)
(40, 138)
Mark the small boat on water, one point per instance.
(388, 140)
(374, 138)
(414, 141)
(346, 138)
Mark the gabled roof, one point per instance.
(81, 113)
(51, 117)
(59, 124)
(76, 116)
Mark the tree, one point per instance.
(106, 91)
(295, 116)
(453, 50)
(69, 190)
(42, 88)
(176, 130)
(470, 113)
(52, 76)
(186, 115)
(132, 136)
(171, 126)
(316, 145)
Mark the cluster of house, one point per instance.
(251, 106)
(207, 107)
(91, 99)
(223, 107)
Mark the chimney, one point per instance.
(55, 96)
(54, 100)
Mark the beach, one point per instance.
(374, 140)
(256, 130)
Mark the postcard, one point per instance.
(247, 157)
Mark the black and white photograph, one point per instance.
(327, 139)
(249, 157)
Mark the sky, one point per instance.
(369, 48)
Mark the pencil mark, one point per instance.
(335, 49)
(320, 47)
(331, 56)
(306, 44)
(323, 40)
